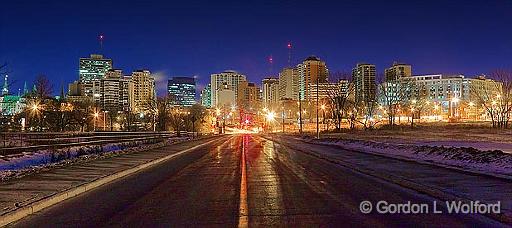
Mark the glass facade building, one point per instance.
(182, 91)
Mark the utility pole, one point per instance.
(283, 116)
(317, 82)
(300, 113)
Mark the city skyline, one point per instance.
(432, 45)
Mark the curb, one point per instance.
(36, 206)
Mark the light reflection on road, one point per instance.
(264, 187)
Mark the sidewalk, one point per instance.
(26, 190)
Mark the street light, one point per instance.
(96, 114)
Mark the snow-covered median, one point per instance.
(490, 162)
(19, 165)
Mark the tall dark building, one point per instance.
(364, 77)
(182, 91)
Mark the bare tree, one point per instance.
(340, 97)
(495, 97)
(43, 88)
(393, 95)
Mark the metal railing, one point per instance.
(49, 141)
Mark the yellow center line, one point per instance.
(243, 212)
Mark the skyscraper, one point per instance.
(364, 77)
(227, 80)
(206, 96)
(143, 93)
(311, 71)
(289, 84)
(93, 69)
(397, 71)
(270, 92)
(248, 96)
(182, 91)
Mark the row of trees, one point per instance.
(395, 98)
(43, 112)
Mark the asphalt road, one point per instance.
(243, 181)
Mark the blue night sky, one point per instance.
(197, 38)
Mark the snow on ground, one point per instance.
(23, 164)
(491, 162)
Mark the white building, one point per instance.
(227, 80)
(289, 84)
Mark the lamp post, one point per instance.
(323, 116)
(96, 114)
(282, 107)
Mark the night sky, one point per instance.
(197, 38)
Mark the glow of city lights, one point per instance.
(265, 109)
(471, 104)
(414, 101)
(270, 116)
(96, 115)
(455, 100)
(246, 121)
(322, 107)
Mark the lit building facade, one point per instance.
(398, 71)
(227, 80)
(311, 71)
(92, 69)
(364, 78)
(206, 96)
(248, 96)
(270, 92)
(182, 91)
(289, 84)
(143, 93)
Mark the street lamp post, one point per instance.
(95, 118)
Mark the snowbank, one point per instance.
(23, 164)
(490, 162)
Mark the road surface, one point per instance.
(246, 181)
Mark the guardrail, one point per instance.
(147, 137)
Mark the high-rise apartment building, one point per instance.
(92, 69)
(289, 84)
(311, 71)
(206, 96)
(248, 96)
(364, 77)
(397, 71)
(227, 80)
(270, 92)
(143, 94)
(182, 91)
(111, 93)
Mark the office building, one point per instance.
(182, 91)
(92, 69)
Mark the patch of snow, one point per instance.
(491, 162)
(19, 165)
